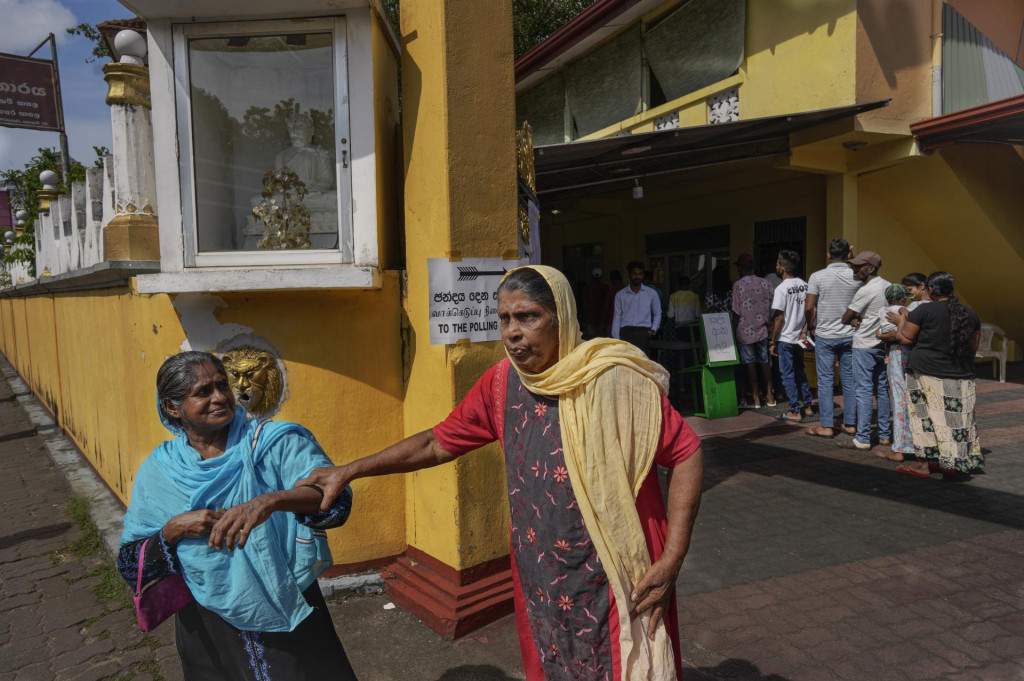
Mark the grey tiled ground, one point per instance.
(808, 562)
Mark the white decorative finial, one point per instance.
(9, 237)
(21, 216)
(131, 46)
(49, 179)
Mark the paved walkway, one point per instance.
(808, 562)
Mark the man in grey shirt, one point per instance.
(869, 375)
(829, 292)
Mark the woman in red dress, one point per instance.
(595, 551)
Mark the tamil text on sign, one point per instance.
(28, 93)
(464, 298)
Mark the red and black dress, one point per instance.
(565, 612)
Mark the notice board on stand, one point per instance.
(719, 339)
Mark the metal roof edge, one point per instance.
(938, 130)
(582, 25)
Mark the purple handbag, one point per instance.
(160, 598)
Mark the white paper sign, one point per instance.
(719, 338)
(464, 298)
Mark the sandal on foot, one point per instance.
(906, 470)
(813, 432)
(787, 417)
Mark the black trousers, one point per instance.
(639, 336)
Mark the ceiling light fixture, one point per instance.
(854, 145)
(555, 211)
(638, 190)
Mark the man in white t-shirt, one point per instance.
(869, 375)
(789, 335)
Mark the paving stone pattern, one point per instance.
(52, 624)
(808, 562)
(814, 562)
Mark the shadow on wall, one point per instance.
(799, 20)
(879, 19)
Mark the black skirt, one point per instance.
(213, 650)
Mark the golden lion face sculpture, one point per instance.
(255, 378)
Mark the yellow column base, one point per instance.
(131, 237)
(45, 196)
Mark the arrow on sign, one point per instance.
(472, 273)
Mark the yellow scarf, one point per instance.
(609, 403)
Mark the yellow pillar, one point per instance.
(841, 208)
(460, 201)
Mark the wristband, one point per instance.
(316, 488)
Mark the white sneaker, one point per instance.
(861, 445)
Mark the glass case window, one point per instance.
(269, 158)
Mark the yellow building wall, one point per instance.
(44, 378)
(7, 329)
(22, 342)
(800, 56)
(958, 210)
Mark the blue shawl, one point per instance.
(258, 588)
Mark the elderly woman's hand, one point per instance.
(238, 521)
(654, 592)
(190, 524)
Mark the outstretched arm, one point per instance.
(237, 522)
(414, 453)
(654, 589)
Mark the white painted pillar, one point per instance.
(132, 234)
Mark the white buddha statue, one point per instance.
(315, 167)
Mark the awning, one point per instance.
(564, 167)
(998, 122)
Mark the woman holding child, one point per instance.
(940, 381)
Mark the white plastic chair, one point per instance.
(986, 351)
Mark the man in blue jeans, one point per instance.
(869, 376)
(829, 292)
(789, 334)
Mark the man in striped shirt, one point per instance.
(829, 292)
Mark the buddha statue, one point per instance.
(316, 168)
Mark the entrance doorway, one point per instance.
(700, 254)
(772, 236)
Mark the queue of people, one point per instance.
(906, 372)
(910, 359)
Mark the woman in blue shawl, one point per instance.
(258, 612)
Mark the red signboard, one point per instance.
(6, 217)
(28, 94)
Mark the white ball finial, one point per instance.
(9, 237)
(21, 215)
(131, 46)
(49, 179)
